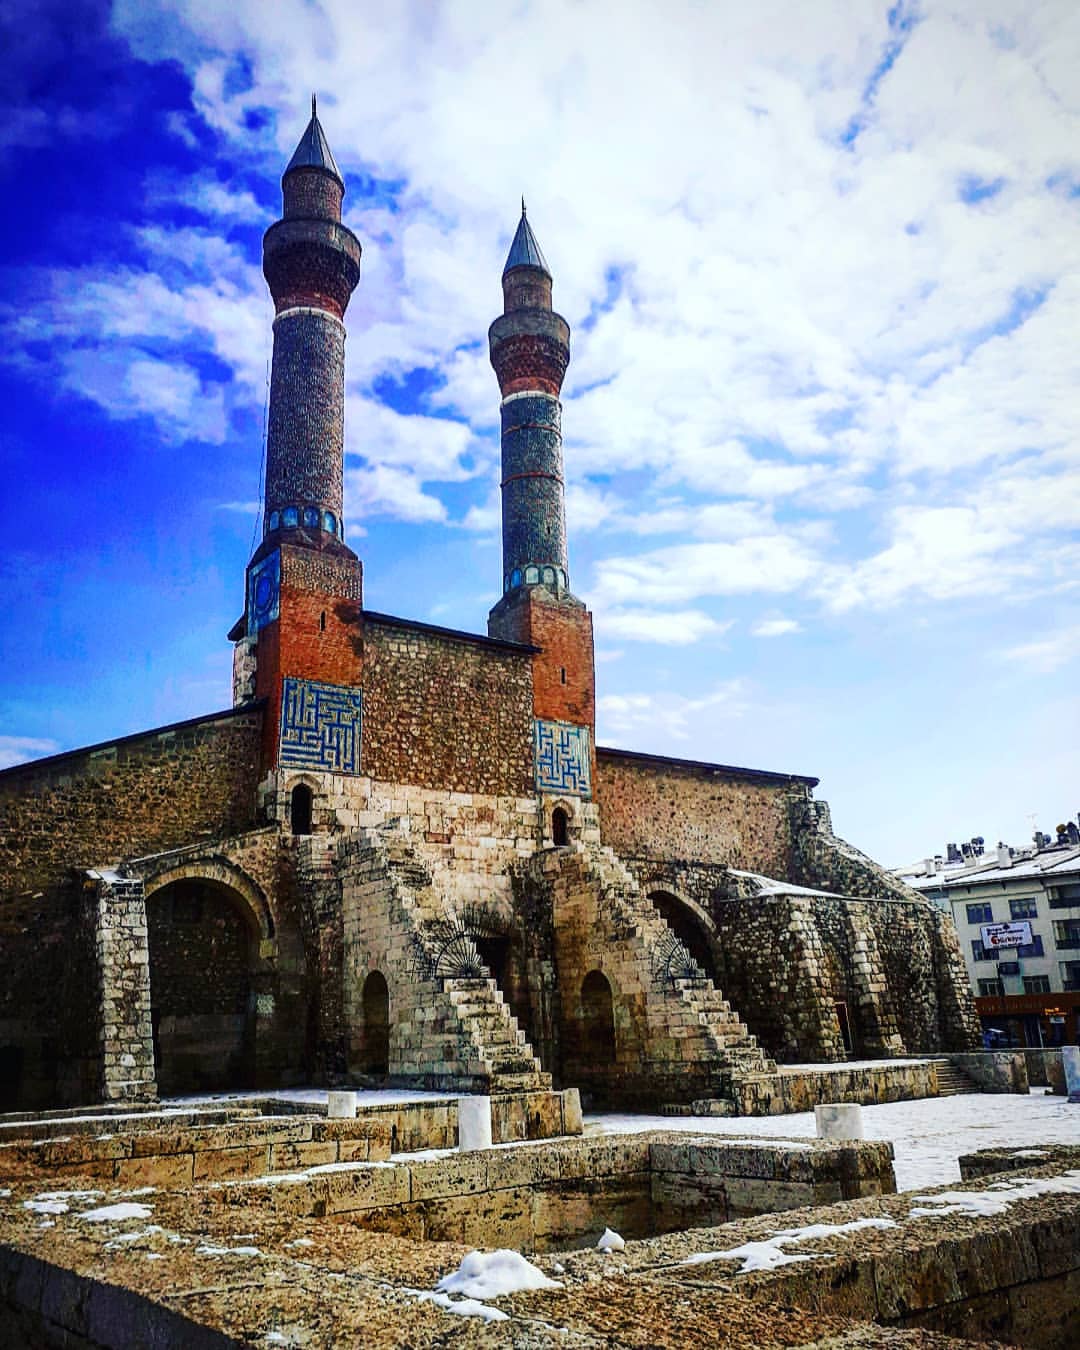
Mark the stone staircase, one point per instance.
(497, 1048)
(734, 1049)
(953, 1081)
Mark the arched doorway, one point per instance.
(688, 928)
(375, 1051)
(300, 809)
(560, 827)
(203, 942)
(597, 1019)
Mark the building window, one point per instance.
(981, 953)
(1032, 948)
(990, 989)
(559, 824)
(1008, 968)
(1070, 974)
(1036, 984)
(300, 804)
(1067, 932)
(1023, 909)
(980, 914)
(1065, 897)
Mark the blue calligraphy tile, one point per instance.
(562, 758)
(320, 726)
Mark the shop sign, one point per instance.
(997, 935)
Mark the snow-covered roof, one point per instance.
(1048, 863)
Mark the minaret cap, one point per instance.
(525, 251)
(313, 152)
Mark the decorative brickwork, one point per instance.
(305, 431)
(533, 513)
(320, 726)
(562, 758)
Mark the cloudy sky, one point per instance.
(820, 262)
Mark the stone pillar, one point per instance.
(474, 1123)
(123, 974)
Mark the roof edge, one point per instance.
(256, 705)
(454, 634)
(764, 775)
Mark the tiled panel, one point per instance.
(320, 726)
(562, 758)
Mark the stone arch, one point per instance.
(219, 872)
(692, 925)
(374, 1047)
(285, 799)
(208, 928)
(597, 1024)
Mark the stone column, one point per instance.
(123, 969)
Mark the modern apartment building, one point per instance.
(1027, 994)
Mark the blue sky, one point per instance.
(821, 267)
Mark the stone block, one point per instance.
(298, 1157)
(174, 1169)
(221, 1164)
(366, 1188)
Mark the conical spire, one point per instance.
(525, 251)
(313, 152)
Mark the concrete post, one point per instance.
(1070, 1058)
(341, 1105)
(474, 1123)
(839, 1120)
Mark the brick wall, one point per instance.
(443, 711)
(650, 808)
(158, 790)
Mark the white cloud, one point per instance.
(770, 628)
(685, 572)
(20, 749)
(651, 719)
(382, 490)
(1048, 654)
(668, 627)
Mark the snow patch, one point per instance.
(609, 1241)
(208, 1249)
(769, 1253)
(117, 1213)
(996, 1199)
(464, 1307)
(46, 1206)
(491, 1274)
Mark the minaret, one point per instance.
(530, 349)
(298, 643)
(312, 264)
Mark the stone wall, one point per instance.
(92, 808)
(656, 808)
(445, 710)
(794, 966)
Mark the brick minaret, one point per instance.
(303, 582)
(530, 349)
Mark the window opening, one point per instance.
(560, 822)
(300, 804)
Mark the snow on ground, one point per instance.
(928, 1136)
(117, 1213)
